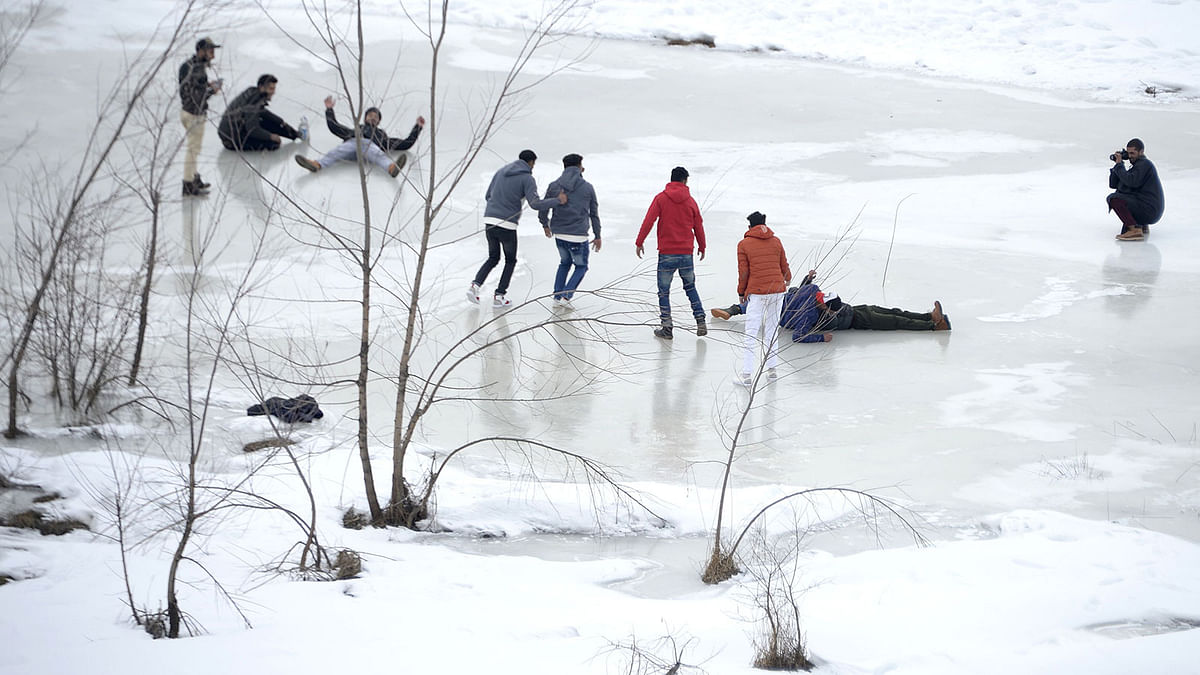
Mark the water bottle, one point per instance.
(304, 128)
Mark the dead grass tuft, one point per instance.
(353, 519)
(348, 564)
(721, 567)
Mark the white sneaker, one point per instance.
(473, 293)
(772, 375)
(501, 301)
(564, 304)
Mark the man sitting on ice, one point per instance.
(374, 144)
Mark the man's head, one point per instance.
(528, 157)
(679, 175)
(757, 218)
(206, 49)
(373, 116)
(1136, 149)
(573, 160)
(266, 84)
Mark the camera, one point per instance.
(1124, 156)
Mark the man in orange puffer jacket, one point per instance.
(763, 276)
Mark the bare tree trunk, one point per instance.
(147, 284)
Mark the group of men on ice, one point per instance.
(247, 125)
(568, 211)
(569, 214)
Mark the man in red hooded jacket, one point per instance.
(679, 225)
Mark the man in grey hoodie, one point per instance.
(512, 183)
(569, 226)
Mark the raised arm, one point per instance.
(406, 143)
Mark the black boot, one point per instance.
(190, 189)
(200, 183)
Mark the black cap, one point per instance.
(206, 43)
(679, 174)
(757, 218)
(527, 156)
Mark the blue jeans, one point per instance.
(570, 253)
(668, 263)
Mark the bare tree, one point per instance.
(64, 220)
(775, 570)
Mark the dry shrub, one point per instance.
(348, 564)
(353, 519)
(721, 567)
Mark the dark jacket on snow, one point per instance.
(372, 133)
(581, 208)
(512, 183)
(194, 91)
(801, 313)
(247, 116)
(303, 408)
(1139, 187)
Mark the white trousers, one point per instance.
(762, 316)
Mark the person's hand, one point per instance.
(275, 138)
(420, 121)
(827, 337)
(215, 86)
(546, 229)
(1117, 157)
(639, 252)
(562, 196)
(329, 102)
(596, 245)
(743, 299)
(812, 274)
(702, 255)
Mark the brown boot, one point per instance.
(1134, 234)
(308, 163)
(940, 320)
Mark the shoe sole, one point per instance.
(720, 313)
(307, 163)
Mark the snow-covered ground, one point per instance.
(1048, 443)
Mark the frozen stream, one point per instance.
(1068, 382)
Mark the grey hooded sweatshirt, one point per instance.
(571, 219)
(512, 183)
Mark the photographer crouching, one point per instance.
(1138, 200)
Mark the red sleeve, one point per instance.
(648, 222)
(699, 229)
(783, 264)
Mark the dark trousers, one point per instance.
(258, 137)
(874, 317)
(499, 238)
(1128, 218)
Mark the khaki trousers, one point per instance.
(194, 124)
